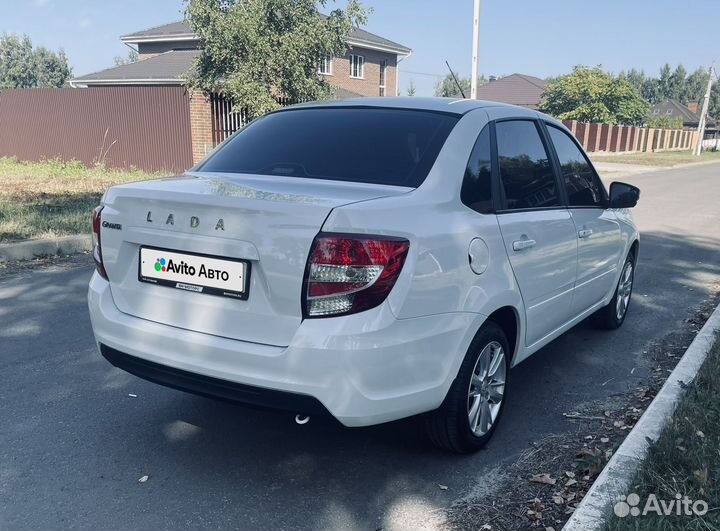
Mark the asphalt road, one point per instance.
(73, 443)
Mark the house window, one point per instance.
(357, 66)
(383, 76)
(325, 65)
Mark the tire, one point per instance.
(449, 427)
(613, 315)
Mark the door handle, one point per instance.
(584, 233)
(519, 245)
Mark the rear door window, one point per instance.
(526, 175)
(369, 145)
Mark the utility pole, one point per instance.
(475, 51)
(703, 114)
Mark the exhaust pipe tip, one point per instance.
(302, 419)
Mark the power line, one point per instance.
(423, 73)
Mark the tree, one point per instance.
(664, 84)
(448, 88)
(411, 90)
(591, 95)
(52, 69)
(635, 77)
(551, 79)
(132, 57)
(256, 51)
(694, 86)
(17, 69)
(22, 66)
(651, 90)
(645, 85)
(677, 84)
(714, 105)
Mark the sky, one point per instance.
(536, 37)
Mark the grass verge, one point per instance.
(663, 158)
(53, 198)
(685, 460)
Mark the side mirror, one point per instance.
(623, 195)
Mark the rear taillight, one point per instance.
(97, 247)
(349, 273)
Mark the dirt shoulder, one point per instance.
(663, 159)
(45, 263)
(614, 166)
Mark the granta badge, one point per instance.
(114, 226)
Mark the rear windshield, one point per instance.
(381, 146)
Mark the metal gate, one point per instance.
(225, 120)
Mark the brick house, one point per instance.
(369, 68)
(167, 52)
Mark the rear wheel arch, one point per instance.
(634, 249)
(507, 318)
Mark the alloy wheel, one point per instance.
(624, 291)
(487, 388)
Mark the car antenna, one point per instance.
(456, 81)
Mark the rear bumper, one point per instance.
(212, 387)
(363, 369)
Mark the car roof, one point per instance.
(447, 105)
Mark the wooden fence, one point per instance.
(625, 138)
(142, 127)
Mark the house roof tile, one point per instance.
(183, 29)
(165, 30)
(677, 110)
(167, 67)
(515, 89)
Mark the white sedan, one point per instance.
(372, 259)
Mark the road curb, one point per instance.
(615, 479)
(33, 248)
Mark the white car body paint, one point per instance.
(392, 361)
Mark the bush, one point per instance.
(664, 122)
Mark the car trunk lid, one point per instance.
(269, 222)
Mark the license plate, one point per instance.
(199, 273)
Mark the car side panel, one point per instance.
(546, 271)
(600, 245)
